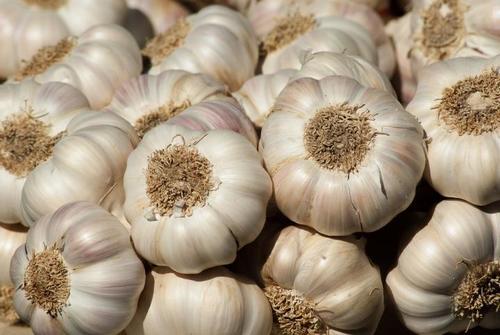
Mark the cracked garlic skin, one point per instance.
(214, 302)
(459, 110)
(77, 273)
(33, 118)
(96, 62)
(87, 164)
(194, 198)
(28, 25)
(321, 285)
(216, 41)
(448, 277)
(343, 158)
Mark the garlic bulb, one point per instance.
(162, 13)
(180, 188)
(28, 25)
(96, 62)
(267, 15)
(214, 302)
(33, 118)
(343, 158)
(322, 285)
(445, 29)
(460, 113)
(448, 277)
(87, 164)
(77, 273)
(217, 41)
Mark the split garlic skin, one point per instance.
(355, 182)
(327, 285)
(161, 13)
(217, 41)
(32, 118)
(29, 25)
(458, 110)
(430, 282)
(214, 302)
(96, 62)
(87, 164)
(85, 255)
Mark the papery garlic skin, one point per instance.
(161, 13)
(334, 275)
(87, 164)
(12, 236)
(465, 165)
(99, 61)
(435, 262)
(210, 232)
(27, 28)
(54, 105)
(214, 302)
(105, 276)
(338, 200)
(219, 42)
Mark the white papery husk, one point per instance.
(214, 302)
(434, 263)
(161, 13)
(459, 166)
(105, 275)
(220, 42)
(334, 202)
(27, 28)
(215, 230)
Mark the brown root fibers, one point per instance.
(158, 116)
(162, 45)
(47, 4)
(7, 312)
(288, 30)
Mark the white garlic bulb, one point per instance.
(162, 13)
(266, 15)
(77, 273)
(33, 118)
(217, 41)
(181, 187)
(343, 158)
(96, 62)
(214, 302)
(28, 25)
(448, 277)
(322, 285)
(87, 164)
(458, 106)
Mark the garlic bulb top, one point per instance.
(343, 158)
(322, 285)
(28, 25)
(162, 13)
(96, 62)
(447, 278)
(445, 29)
(217, 41)
(214, 302)
(458, 106)
(87, 164)
(33, 118)
(181, 187)
(77, 273)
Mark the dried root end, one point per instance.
(46, 281)
(338, 137)
(7, 312)
(472, 105)
(288, 30)
(47, 4)
(162, 114)
(162, 45)
(293, 314)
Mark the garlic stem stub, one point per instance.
(77, 273)
(459, 110)
(181, 188)
(343, 158)
(214, 302)
(448, 277)
(321, 285)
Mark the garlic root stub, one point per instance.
(448, 277)
(343, 158)
(77, 273)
